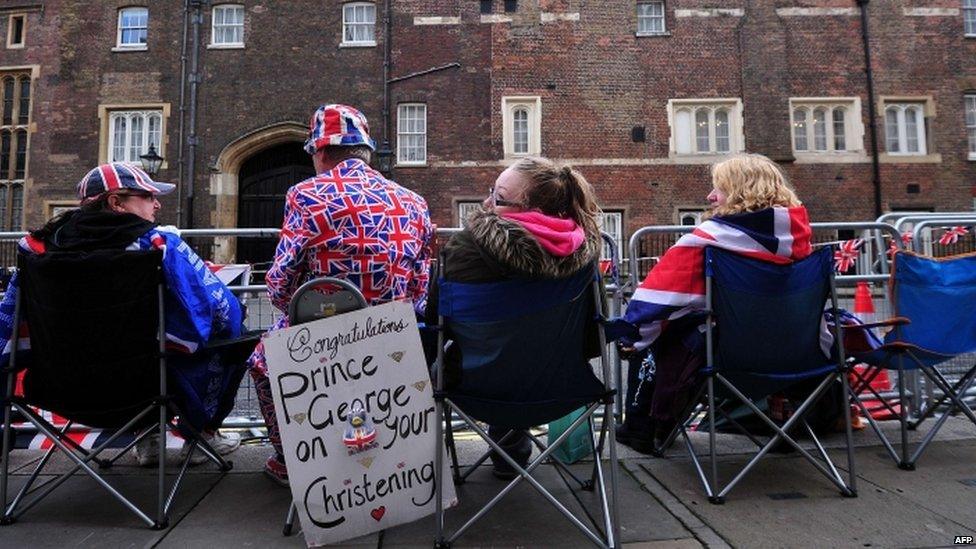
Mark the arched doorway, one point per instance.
(264, 179)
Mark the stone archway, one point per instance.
(225, 180)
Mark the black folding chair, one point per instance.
(314, 300)
(524, 363)
(763, 336)
(97, 357)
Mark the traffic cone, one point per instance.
(864, 309)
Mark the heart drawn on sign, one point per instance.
(366, 462)
(347, 482)
(378, 513)
(401, 465)
(420, 385)
(299, 417)
(397, 356)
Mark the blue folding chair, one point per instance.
(763, 336)
(933, 301)
(523, 363)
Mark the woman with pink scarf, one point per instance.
(539, 221)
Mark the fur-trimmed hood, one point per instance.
(515, 248)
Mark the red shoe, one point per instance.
(276, 470)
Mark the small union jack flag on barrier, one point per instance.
(952, 235)
(846, 255)
(906, 240)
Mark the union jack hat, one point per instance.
(337, 125)
(119, 175)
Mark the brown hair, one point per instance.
(751, 182)
(559, 191)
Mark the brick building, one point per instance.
(640, 95)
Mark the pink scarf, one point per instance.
(560, 237)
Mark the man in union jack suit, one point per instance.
(347, 222)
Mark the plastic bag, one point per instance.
(578, 445)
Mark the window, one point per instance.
(15, 31)
(511, 6)
(412, 134)
(14, 122)
(690, 217)
(485, 6)
(131, 133)
(465, 209)
(969, 16)
(521, 125)
(705, 127)
(971, 124)
(650, 18)
(826, 125)
(905, 128)
(227, 25)
(612, 223)
(359, 24)
(133, 28)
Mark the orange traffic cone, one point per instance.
(863, 305)
(864, 309)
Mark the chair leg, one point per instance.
(904, 464)
(849, 438)
(716, 499)
(439, 472)
(161, 521)
(615, 540)
(5, 458)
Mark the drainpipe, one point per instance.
(387, 62)
(196, 20)
(872, 121)
(182, 145)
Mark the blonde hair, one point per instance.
(751, 182)
(559, 191)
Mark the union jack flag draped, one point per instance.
(352, 223)
(846, 255)
(675, 286)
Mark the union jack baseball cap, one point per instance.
(119, 175)
(337, 125)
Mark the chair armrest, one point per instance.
(894, 321)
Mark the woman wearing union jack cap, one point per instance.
(754, 213)
(117, 211)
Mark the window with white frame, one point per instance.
(971, 124)
(15, 103)
(15, 30)
(227, 25)
(521, 125)
(969, 16)
(412, 134)
(464, 210)
(701, 126)
(650, 18)
(359, 24)
(690, 217)
(131, 132)
(612, 223)
(133, 28)
(821, 126)
(905, 128)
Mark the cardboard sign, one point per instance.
(356, 412)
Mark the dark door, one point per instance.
(264, 180)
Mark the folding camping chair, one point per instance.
(97, 346)
(523, 364)
(933, 301)
(763, 336)
(310, 303)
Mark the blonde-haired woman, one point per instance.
(754, 212)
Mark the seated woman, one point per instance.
(539, 221)
(754, 212)
(118, 212)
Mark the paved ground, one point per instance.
(783, 503)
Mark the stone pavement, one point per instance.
(783, 503)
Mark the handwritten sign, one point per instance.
(356, 412)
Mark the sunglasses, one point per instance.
(501, 201)
(136, 194)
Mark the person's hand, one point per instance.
(625, 350)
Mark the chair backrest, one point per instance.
(522, 346)
(768, 317)
(939, 297)
(320, 298)
(94, 322)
